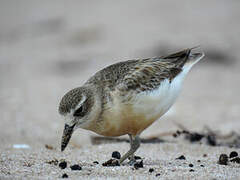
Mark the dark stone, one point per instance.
(63, 164)
(191, 170)
(64, 175)
(202, 165)
(198, 160)
(236, 160)
(76, 167)
(190, 165)
(137, 157)
(158, 174)
(151, 170)
(116, 155)
(223, 159)
(95, 162)
(138, 165)
(182, 157)
(233, 154)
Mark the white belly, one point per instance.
(155, 103)
(141, 111)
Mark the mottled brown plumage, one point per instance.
(126, 97)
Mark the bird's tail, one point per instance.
(185, 57)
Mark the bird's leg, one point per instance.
(134, 145)
(131, 142)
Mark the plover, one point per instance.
(126, 97)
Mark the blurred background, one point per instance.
(50, 47)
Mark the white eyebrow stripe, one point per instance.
(81, 102)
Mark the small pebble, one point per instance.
(198, 160)
(63, 164)
(95, 162)
(191, 170)
(236, 160)
(233, 154)
(138, 165)
(151, 170)
(202, 165)
(75, 167)
(158, 174)
(64, 175)
(223, 159)
(204, 155)
(182, 157)
(137, 157)
(48, 147)
(116, 155)
(190, 165)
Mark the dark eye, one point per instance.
(79, 112)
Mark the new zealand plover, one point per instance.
(126, 97)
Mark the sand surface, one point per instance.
(49, 47)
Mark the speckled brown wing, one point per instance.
(140, 75)
(148, 74)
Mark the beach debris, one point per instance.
(190, 165)
(223, 159)
(182, 157)
(95, 162)
(64, 175)
(111, 162)
(138, 165)
(62, 164)
(21, 146)
(47, 146)
(233, 154)
(116, 155)
(76, 167)
(235, 160)
(151, 170)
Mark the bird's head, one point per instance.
(78, 107)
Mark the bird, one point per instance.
(126, 97)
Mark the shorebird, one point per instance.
(126, 97)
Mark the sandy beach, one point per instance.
(50, 47)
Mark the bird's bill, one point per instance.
(67, 134)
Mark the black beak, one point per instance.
(67, 134)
